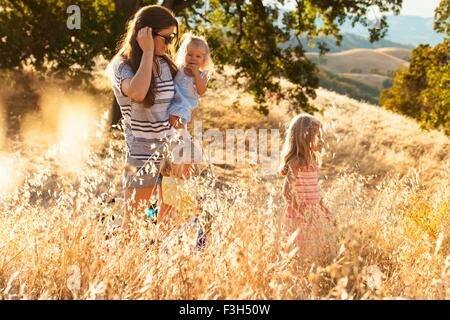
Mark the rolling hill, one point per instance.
(358, 61)
(373, 80)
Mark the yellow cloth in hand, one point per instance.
(177, 195)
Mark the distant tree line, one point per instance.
(422, 91)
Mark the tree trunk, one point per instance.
(168, 4)
(128, 8)
(178, 5)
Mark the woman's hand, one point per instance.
(145, 39)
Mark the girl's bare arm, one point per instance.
(328, 212)
(288, 188)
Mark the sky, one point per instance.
(423, 8)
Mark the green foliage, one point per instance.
(436, 98)
(442, 16)
(245, 34)
(422, 91)
(35, 32)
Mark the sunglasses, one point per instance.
(167, 39)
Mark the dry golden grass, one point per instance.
(386, 181)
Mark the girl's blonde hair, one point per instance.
(200, 41)
(298, 144)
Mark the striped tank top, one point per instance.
(145, 128)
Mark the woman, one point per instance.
(142, 78)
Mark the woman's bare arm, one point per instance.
(137, 87)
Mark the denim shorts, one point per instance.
(135, 176)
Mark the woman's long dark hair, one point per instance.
(157, 18)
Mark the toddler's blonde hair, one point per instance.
(200, 41)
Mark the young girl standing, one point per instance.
(304, 210)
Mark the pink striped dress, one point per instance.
(306, 191)
(311, 219)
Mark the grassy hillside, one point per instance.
(392, 143)
(373, 80)
(360, 73)
(351, 86)
(385, 180)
